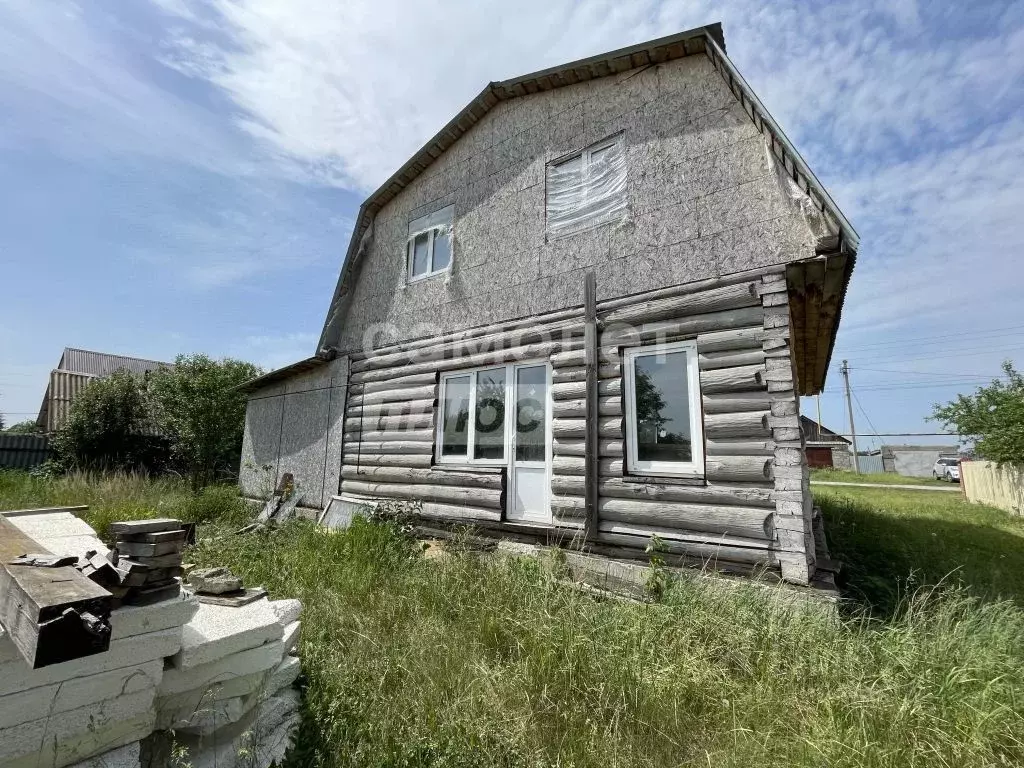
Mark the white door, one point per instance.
(530, 457)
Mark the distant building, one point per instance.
(914, 460)
(825, 448)
(76, 369)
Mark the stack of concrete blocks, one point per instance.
(227, 695)
(65, 713)
(221, 676)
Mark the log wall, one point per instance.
(751, 510)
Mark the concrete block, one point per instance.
(205, 716)
(51, 525)
(286, 611)
(43, 701)
(122, 757)
(290, 639)
(236, 665)
(217, 631)
(127, 652)
(136, 620)
(60, 740)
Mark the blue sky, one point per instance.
(181, 176)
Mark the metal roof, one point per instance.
(103, 364)
(708, 39)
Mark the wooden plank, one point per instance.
(480, 497)
(52, 615)
(592, 435)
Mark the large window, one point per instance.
(478, 426)
(663, 422)
(429, 249)
(586, 189)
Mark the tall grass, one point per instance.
(119, 496)
(469, 661)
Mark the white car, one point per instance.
(947, 469)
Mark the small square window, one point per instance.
(586, 189)
(429, 248)
(663, 410)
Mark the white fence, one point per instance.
(986, 483)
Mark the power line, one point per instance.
(922, 373)
(991, 333)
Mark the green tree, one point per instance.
(27, 427)
(993, 417)
(110, 426)
(198, 408)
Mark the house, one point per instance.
(823, 447)
(914, 460)
(76, 369)
(585, 310)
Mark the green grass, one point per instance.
(892, 542)
(883, 478)
(119, 496)
(470, 660)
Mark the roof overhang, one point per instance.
(280, 374)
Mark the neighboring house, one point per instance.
(914, 460)
(586, 309)
(76, 369)
(825, 448)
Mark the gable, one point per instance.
(708, 195)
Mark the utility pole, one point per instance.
(845, 370)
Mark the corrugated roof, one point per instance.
(708, 39)
(103, 364)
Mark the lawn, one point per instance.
(875, 478)
(469, 660)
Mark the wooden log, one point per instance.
(713, 300)
(568, 465)
(740, 469)
(608, 387)
(404, 395)
(387, 460)
(576, 409)
(706, 552)
(727, 495)
(433, 510)
(498, 357)
(740, 447)
(609, 370)
(357, 447)
(736, 402)
(390, 423)
(611, 427)
(478, 497)
(462, 346)
(611, 467)
(664, 330)
(713, 360)
(591, 435)
(362, 410)
(731, 339)
(698, 537)
(611, 448)
(405, 436)
(563, 375)
(732, 379)
(568, 447)
(51, 615)
(697, 286)
(431, 476)
(576, 357)
(573, 390)
(568, 507)
(396, 382)
(749, 522)
(561, 428)
(723, 426)
(610, 405)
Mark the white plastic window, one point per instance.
(664, 434)
(587, 189)
(429, 249)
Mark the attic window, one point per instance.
(587, 189)
(429, 248)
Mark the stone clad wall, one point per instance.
(703, 199)
(295, 426)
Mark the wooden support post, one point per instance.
(51, 614)
(591, 470)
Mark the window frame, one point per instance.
(695, 468)
(509, 434)
(585, 156)
(430, 224)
